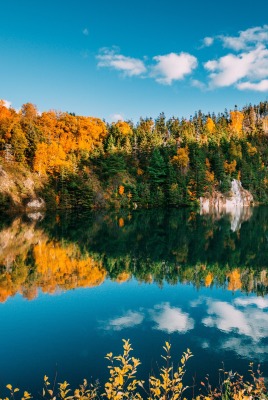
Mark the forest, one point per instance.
(84, 162)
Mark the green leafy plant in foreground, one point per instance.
(123, 384)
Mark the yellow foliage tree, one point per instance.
(236, 124)
(90, 133)
(8, 118)
(182, 158)
(124, 128)
(251, 149)
(210, 177)
(210, 125)
(229, 168)
(234, 280)
(121, 190)
(50, 158)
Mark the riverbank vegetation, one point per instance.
(84, 162)
(167, 384)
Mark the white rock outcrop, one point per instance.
(236, 204)
(36, 204)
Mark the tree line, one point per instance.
(85, 162)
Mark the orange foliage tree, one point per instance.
(50, 158)
(124, 128)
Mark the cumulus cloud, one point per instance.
(246, 39)
(198, 84)
(167, 68)
(7, 103)
(129, 66)
(235, 69)
(85, 32)
(129, 320)
(208, 41)
(171, 319)
(261, 86)
(172, 67)
(116, 117)
(246, 68)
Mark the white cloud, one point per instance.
(261, 86)
(171, 319)
(7, 103)
(249, 38)
(116, 117)
(172, 67)
(129, 320)
(233, 69)
(167, 68)
(110, 58)
(208, 41)
(198, 84)
(85, 32)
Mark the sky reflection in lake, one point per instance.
(179, 277)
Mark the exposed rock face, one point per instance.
(237, 204)
(19, 186)
(35, 204)
(237, 197)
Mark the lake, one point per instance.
(72, 286)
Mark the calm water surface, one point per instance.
(73, 286)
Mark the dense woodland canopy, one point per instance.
(87, 163)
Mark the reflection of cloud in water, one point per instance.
(171, 319)
(259, 302)
(228, 318)
(245, 348)
(168, 319)
(225, 317)
(244, 326)
(129, 320)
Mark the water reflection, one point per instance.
(171, 319)
(129, 320)
(198, 280)
(163, 316)
(232, 318)
(242, 325)
(64, 252)
(236, 215)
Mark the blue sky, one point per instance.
(134, 58)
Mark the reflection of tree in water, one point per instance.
(171, 246)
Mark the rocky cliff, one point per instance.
(236, 203)
(18, 188)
